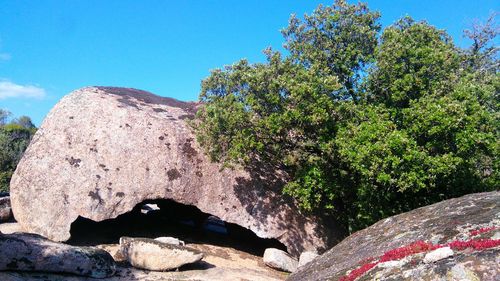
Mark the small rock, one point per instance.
(307, 257)
(496, 236)
(5, 209)
(31, 252)
(147, 208)
(170, 240)
(389, 264)
(280, 260)
(438, 254)
(157, 256)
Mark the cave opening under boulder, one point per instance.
(164, 217)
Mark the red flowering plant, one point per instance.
(422, 247)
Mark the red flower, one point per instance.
(480, 244)
(420, 247)
(402, 252)
(358, 272)
(476, 232)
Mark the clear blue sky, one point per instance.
(49, 48)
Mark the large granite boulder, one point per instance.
(457, 239)
(102, 150)
(31, 252)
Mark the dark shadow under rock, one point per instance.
(184, 222)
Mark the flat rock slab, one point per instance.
(31, 252)
(102, 150)
(471, 217)
(153, 255)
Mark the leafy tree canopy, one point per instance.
(367, 124)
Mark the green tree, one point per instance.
(413, 59)
(420, 127)
(253, 110)
(24, 121)
(4, 115)
(337, 40)
(482, 56)
(14, 139)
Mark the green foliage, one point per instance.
(482, 56)
(253, 110)
(339, 40)
(4, 114)
(413, 59)
(14, 139)
(361, 144)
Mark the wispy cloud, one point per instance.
(13, 90)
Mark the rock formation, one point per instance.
(102, 150)
(414, 245)
(31, 252)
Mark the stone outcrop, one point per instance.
(5, 209)
(102, 150)
(279, 260)
(407, 246)
(31, 252)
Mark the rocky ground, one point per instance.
(219, 263)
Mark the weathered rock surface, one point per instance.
(475, 266)
(101, 151)
(31, 252)
(306, 257)
(150, 254)
(5, 209)
(471, 217)
(279, 260)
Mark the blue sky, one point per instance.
(49, 48)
